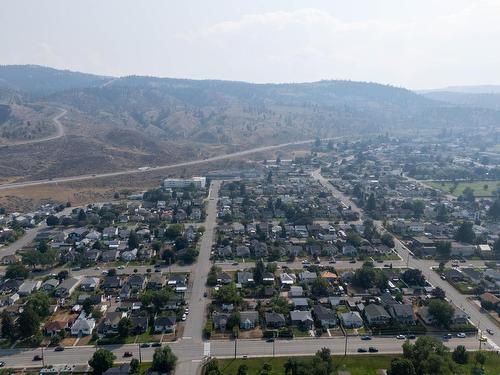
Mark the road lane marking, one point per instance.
(206, 349)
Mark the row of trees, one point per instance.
(164, 361)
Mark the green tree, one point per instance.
(371, 204)
(28, 323)
(480, 358)
(8, 327)
(443, 249)
(242, 370)
(16, 271)
(324, 355)
(468, 195)
(465, 233)
(101, 361)
(87, 306)
(387, 240)
(134, 366)
(460, 355)
(442, 311)
(52, 220)
(442, 214)
(418, 208)
(133, 240)
(429, 356)
(413, 277)
(40, 303)
(401, 366)
(291, 366)
(320, 287)
(494, 210)
(164, 360)
(124, 327)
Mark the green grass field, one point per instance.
(366, 364)
(477, 186)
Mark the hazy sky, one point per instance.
(411, 43)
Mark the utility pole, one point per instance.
(345, 346)
(140, 354)
(43, 358)
(235, 345)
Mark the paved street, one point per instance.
(197, 301)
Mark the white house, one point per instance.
(83, 325)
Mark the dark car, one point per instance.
(352, 261)
(59, 349)
(372, 349)
(155, 344)
(127, 354)
(366, 338)
(411, 337)
(270, 339)
(2, 363)
(37, 357)
(489, 331)
(157, 270)
(205, 294)
(362, 350)
(146, 345)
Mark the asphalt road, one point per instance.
(158, 168)
(193, 327)
(58, 134)
(190, 353)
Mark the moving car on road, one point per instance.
(362, 350)
(59, 349)
(461, 335)
(373, 349)
(366, 337)
(401, 337)
(127, 354)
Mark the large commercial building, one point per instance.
(198, 182)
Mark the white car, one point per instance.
(401, 337)
(184, 316)
(461, 335)
(186, 311)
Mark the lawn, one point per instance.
(477, 186)
(366, 364)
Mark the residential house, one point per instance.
(326, 317)
(67, 287)
(307, 277)
(28, 287)
(89, 284)
(249, 319)
(50, 284)
(274, 320)
(376, 315)
(351, 319)
(220, 320)
(157, 281)
(402, 313)
(165, 324)
(296, 291)
(83, 325)
(302, 319)
(224, 278)
(245, 278)
(109, 324)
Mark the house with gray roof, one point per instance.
(376, 315)
(249, 319)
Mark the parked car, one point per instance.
(37, 357)
(270, 340)
(2, 363)
(145, 345)
(352, 261)
(184, 317)
(59, 349)
(401, 337)
(127, 354)
(447, 336)
(366, 337)
(155, 345)
(362, 350)
(205, 294)
(373, 349)
(461, 335)
(411, 337)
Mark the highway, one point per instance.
(157, 168)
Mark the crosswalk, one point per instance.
(206, 349)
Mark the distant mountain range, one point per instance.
(485, 96)
(136, 121)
